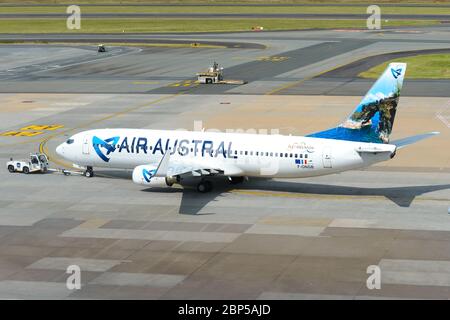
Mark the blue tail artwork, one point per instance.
(373, 118)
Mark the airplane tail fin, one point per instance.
(373, 118)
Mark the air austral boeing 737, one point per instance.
(162, 158)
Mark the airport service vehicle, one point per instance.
(160, 158)
(101, 48)
(37, 162)
(214, 75)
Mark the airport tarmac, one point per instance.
(279, 239)
(298, 238)
(288, 62)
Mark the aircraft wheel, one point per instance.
(204, 186)
(236, 180)
(89, 173)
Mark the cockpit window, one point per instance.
(69, 141)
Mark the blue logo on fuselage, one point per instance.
(142, 146)
(148, 174)
(108, 144)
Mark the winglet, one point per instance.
(161, 171)
(413, 139)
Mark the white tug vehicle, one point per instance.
(37, 162)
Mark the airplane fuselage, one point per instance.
(251, 155)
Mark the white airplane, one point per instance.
(164, 157)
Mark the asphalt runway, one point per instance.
(280, 239)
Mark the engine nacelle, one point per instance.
(145, 175)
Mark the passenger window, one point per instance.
(246, 152)
(281, 155)
(271, 154)
(296, 155)
(257, 153)
(286, 155)
(290, 155)
(301, 156)
(306, 156)
(251, 153)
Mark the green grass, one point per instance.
(227, 9)
(182, 25)
(425, 66)
(221, 1)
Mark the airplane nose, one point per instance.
(60, 150)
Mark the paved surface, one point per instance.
(280, 239)
(295, 62)
(283, 239)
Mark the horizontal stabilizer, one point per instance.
(413, 139)
(372, 150)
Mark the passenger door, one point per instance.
(86, 145)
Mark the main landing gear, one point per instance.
(89, 173)
(204, 186)
(236, 180)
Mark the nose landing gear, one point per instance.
(89, 173)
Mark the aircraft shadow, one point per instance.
(402, 196)
(192, 201)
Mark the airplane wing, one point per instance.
(202, 167)
(193, 169)
(168, 167)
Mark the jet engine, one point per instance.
(145, 175)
